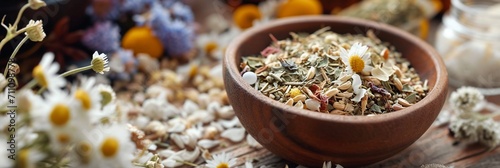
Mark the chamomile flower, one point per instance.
(34, 30)
(209, 44)
(28, 158)
(27, 101)
(357, 59)
(222, 160)
(45, 73)
(466, 98)
(356, 83)
(107, 94)
(112, 147)
(100, 63)
(87, 96)
(59, 118)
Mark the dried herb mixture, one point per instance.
(335, 73)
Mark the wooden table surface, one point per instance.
(435, 146)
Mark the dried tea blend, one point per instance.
(335, 73)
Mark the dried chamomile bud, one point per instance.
(466, 98)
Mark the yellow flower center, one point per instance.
(222, 165)
(60, 115)
(107, 97)
(39, 76)
(84, 98)
(109, 147)
(23, 158)
(210, 46)
(63, 138)
(244, 15)
(295, 92)
(357, 63)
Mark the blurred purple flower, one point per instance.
(137, 6)
(101, 10)
(180, 11)
(103, 37)
(177, 38)
(123, 64)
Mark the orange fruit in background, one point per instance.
(299, 8)
(142, 40)
(244, 15)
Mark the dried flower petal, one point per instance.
(234, 134)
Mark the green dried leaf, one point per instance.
(412, 98)
(376, 108)
(407, 88)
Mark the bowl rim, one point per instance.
(440, 86)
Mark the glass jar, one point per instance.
(469, 42)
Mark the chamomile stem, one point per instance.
(30, 84)
(75, 71)
(19, 16)
(14, 54)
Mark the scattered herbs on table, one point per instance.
(334, 73)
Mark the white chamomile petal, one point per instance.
(234, 134)
(252, 142)
(207, 143)
(230, 123)
(189, 156)
(356, 83)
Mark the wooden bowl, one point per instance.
(310, 138)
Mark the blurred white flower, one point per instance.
(112, 147)
(45, 73)
(3, 82)
(222, 160)
(28, 158)
(87, 95)
(466, 98)
(4, 153)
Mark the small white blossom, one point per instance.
(464, 129)
(34, 30)
(100, 63)
(357, 60)
(221, 160)
(466, 98)
(489, 133)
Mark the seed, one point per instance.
(404, 102)
(398, 84)
(299, 98)
(311, 73)
(349, 108)
(397, 107)
(345, 85)
(332, 92)
(345, 94)
(340, 112)
(339, 106)
(375, 81)
(299, 104)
